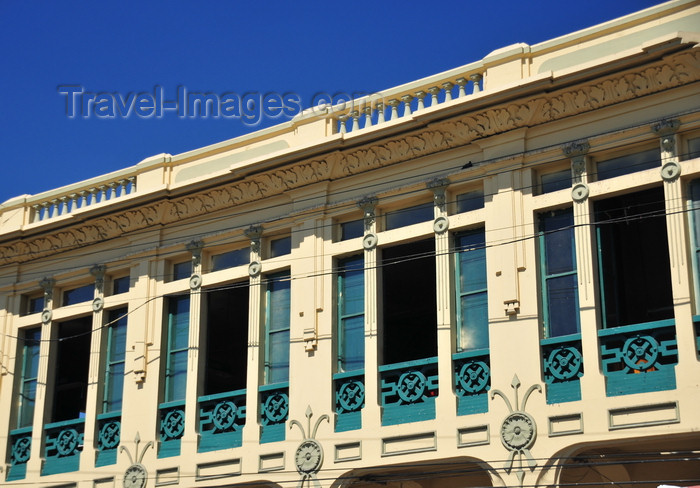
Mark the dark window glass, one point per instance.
(176, 346)
(630, 163)
(351, 314)
(352, 229)
(470, 200)
(71, 373)
(227, 339)
(277, 309)
(694, 148)
(280, 247)
(78, 295)
(35, 305)
(560, 312)
(115, 360)
(409, 302)
(230, 259)
(472, 297)
(556, 181)
(182, 270)
(409, 216)
(633, 259)
(29, 357)
(120, 285)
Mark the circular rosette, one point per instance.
(308, 457)
(640, 352)
(109, 435)
(21, 450)
(276, 407)
(474, 376)
(224, 415)
(351, 396)
(135, 476)
(174, 424)
(518, 431)
(564, 363)
(67, 442)
(411, 386)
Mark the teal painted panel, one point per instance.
(106, 457)
(468, 405)
(348, 421)
(63, 445)
(403, 414)
(20, 451)
(223, 440)
(272, 433)
(563, 392)
(56, 465)
(274, 401)
(221, 420)
(172, 427)
(643, 382)
(349, 400)
(169, 448)
(16, 472)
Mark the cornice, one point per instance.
(676, 70)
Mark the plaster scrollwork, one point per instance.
(368, 205)
(47, 285)
(439, 189)
(98, 271)
(308, 457)
(136, 475)
(195, 247)
(675, 70)
(254, 233)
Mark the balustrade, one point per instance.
(562, 363)
(274, 411)
(408, 391)
(221, 420)
(63, 445)
(108, 437)
(21, 448)
(639, 358)
(172, 427)
(472, 381)
(349, 400)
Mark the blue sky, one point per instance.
(300, 48)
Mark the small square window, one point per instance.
(409, 216)
(630, 163)
(230, 259)
(351, 229)
(280, 247)
(33, 305)
(694, 148)
(559, 180)
(182, 270)
(471, 200)
(120, 285)
(78, 295)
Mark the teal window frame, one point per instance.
(556, 233)
(351, 313)
(115, 360)
(471, 290)
(277, 327)
(31, 345)
(694, 207)
(178, 322)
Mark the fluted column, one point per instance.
(251, 430)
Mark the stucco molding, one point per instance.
(676, 70)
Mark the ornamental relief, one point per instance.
(673, 71)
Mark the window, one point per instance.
(629, 163)
(472, 310)
(352, 229)
(77, 295)
(277, 309)
(409, 216)
(182, 270)
(114, 360)
(280, 247)
(227, 339)
(558, 180)
(470, 200)
(120, 285)
(176, 345)
(351, 314)
(633, 259)
(230, 259)
(560, 314)
(409, 302)
(32, 305)
(28, 367)
(694, 148)
(695, 225)
(71, 371)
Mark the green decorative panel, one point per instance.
(109, 427)
(274, 412)
(562, 363)
(20, 450)
(408, 391)
(221, 420)
(349, 400)
(639, 358)
(172, 427)
(63, 445)
(472, 381)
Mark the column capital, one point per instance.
(665, 127)
(47, 285)
(254, 233)
(195, 247)
(98, 271)
(368, 205)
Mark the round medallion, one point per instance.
(46, 316)
(97, 304)
(369, 241)
(195, 281)
(518, 431)
(441, 224)
(351, 396)
(21, 450)
(474, 376)
(109, 435)
(670, 171)
(67, 442)
(579, 192)
(135, 476)
(411, 386)
(254, 268)
(308, 457)
(565, 363)
(224, 415)
(640, 352)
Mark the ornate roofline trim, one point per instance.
(674, 71)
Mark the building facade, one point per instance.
(487, 277)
